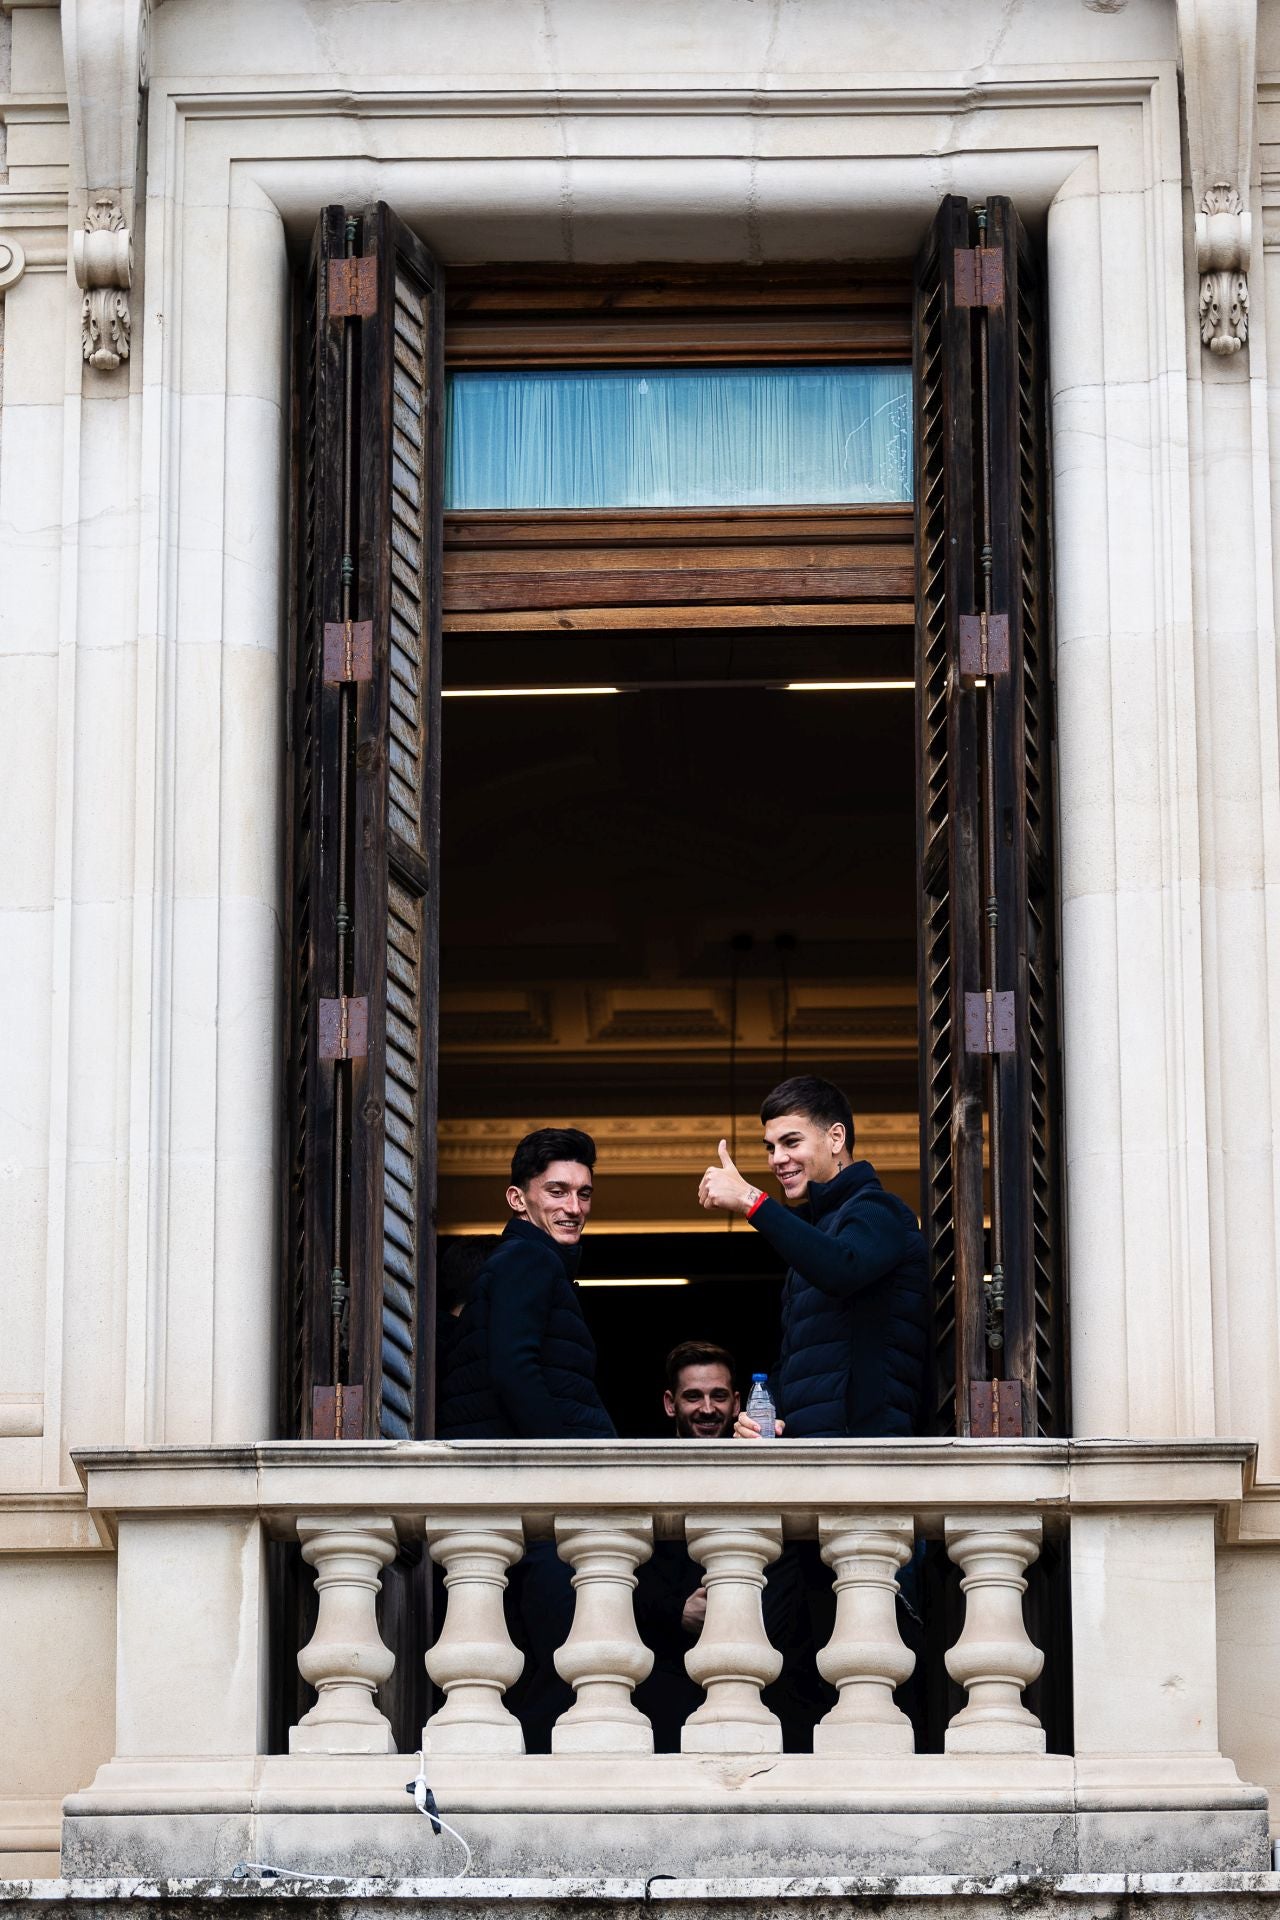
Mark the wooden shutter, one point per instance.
(989, 1083)
(364, 829)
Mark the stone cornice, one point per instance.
(305, 97)
(36, 223)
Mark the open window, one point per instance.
(754, 522)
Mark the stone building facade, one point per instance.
(164, 169)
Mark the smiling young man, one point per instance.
(855, 1301)
(523, 1363)
(523, 1366)
(700, 1395)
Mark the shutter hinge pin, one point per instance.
(353, 287)
(984, 646)
(995, 1409)
(993, 911)
(990, 1022)
(979, 276)
(348, 570)
(344, 1028)
(348, 648)
(337, 1290)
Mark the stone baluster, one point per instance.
(732, 1658)
(994, 1658)
(474, 1659)
(865, 1657)
(345, 1660)
(604, 1656)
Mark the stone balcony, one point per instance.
(192, 1790)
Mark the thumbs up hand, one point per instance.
(723, 1189)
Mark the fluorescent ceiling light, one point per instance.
(517, 693)
(849, 686)
(633, 1283)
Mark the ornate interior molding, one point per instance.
(593, 1022)
(105, 49)
(655, 1144)
(1219, 67)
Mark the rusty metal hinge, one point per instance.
(979, 277)
(344, 1029)
(984, 645)
(353, 287)
(337, 1413)
(995, 1409)
(990, 1023)
(348, 651)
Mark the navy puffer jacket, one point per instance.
(854, 1309)
(523, 1363)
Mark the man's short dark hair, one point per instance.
(698, 1353)
(537, 1150)
(816, 1099)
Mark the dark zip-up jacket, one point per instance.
(854, 1308)
(523, 1363)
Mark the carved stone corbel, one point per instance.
(105, 48)
(1223, 239)
(103, 258)
(1218, 40)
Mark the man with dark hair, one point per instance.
(855, 1301)
(700, 1394)
(854, 1319)
(523, 1365)
(671, 1601)
(523, 1362)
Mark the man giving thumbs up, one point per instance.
(854, 1304)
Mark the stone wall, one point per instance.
(142, 559)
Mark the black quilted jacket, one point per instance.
(523, 1362)
(854, 1309)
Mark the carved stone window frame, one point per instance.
(233, 177)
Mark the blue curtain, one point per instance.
(679, 437)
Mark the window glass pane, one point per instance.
(679, 437)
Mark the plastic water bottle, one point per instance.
(760, 1407)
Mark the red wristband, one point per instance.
(756, 1205)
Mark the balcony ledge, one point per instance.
(1159, 1896)
(929, 1476)
(191, 1790)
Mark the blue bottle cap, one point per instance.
(759, 1376)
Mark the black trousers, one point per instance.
(539, 1616)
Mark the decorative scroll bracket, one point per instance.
(1223, 240)
(105, 49)
(1218, 40)
(13, 264)
(103, 259)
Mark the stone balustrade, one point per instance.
(1130, 1522)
